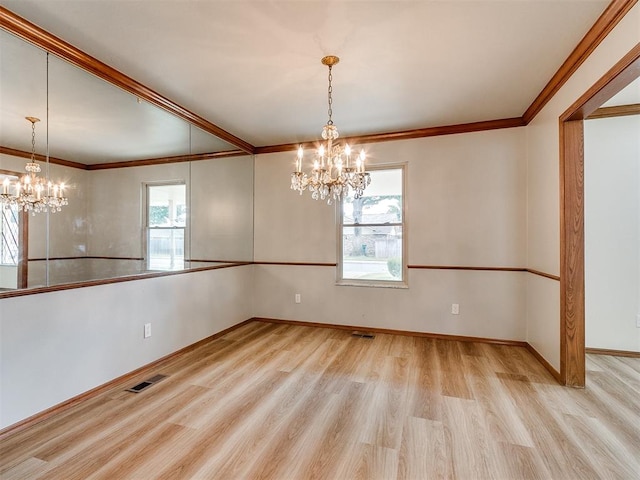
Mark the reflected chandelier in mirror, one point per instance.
(31, 193)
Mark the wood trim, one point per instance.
(249, 262)
(89, 257)
(404, 135)
(298, 264)
(128, 163)
(615, 353)
(423, 267)
(544, 363)
(23, 251)
(572, 314)
(41, 38)
(406, 333)
(572, 369)
(164, 160)
(616, 10)
(543, 274)
(107, 281)
(116, 382)
(615, 111)
(617, 78)
(41, 158)
(459, 267)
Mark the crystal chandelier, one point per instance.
(32, 193)
(334, 172)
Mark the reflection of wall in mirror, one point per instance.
(105, 218)
(222, 209)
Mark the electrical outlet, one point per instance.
(455, 309)
(147, 330)
(638, 320)
(298, 298)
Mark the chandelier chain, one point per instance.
(33, 141)
(329, 92)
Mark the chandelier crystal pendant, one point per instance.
(31, 193)
(334, 172)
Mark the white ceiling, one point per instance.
(253, 67)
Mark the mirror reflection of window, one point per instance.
(166, 222)
(9, 236)
(9, 242)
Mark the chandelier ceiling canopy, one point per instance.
(334, 171)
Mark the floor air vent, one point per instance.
(146, 384)
(363, 335)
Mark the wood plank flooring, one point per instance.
(272, 401)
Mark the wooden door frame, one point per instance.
(572, 296)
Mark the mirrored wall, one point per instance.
(165, 211)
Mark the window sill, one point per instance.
(378, 284)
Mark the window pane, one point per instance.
(166, 249)
(9, 235)
(167, 205)
(372, 253)
(381, 202)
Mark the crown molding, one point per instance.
(405, 134)
(42, 158)
(164, 160)
(616, 10)
(129, 163)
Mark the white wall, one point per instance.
(612, 232)
(466, 206)
(56, 345)
(543, 215)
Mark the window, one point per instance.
(372, 247)
(166, 221)
(9, 235)
(9, 231)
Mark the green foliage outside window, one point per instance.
(158, 214)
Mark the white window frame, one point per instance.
(404, 283)
(148, 228)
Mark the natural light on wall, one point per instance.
(372, 247)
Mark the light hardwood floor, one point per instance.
(296, 402)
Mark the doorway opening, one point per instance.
(572, 285)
